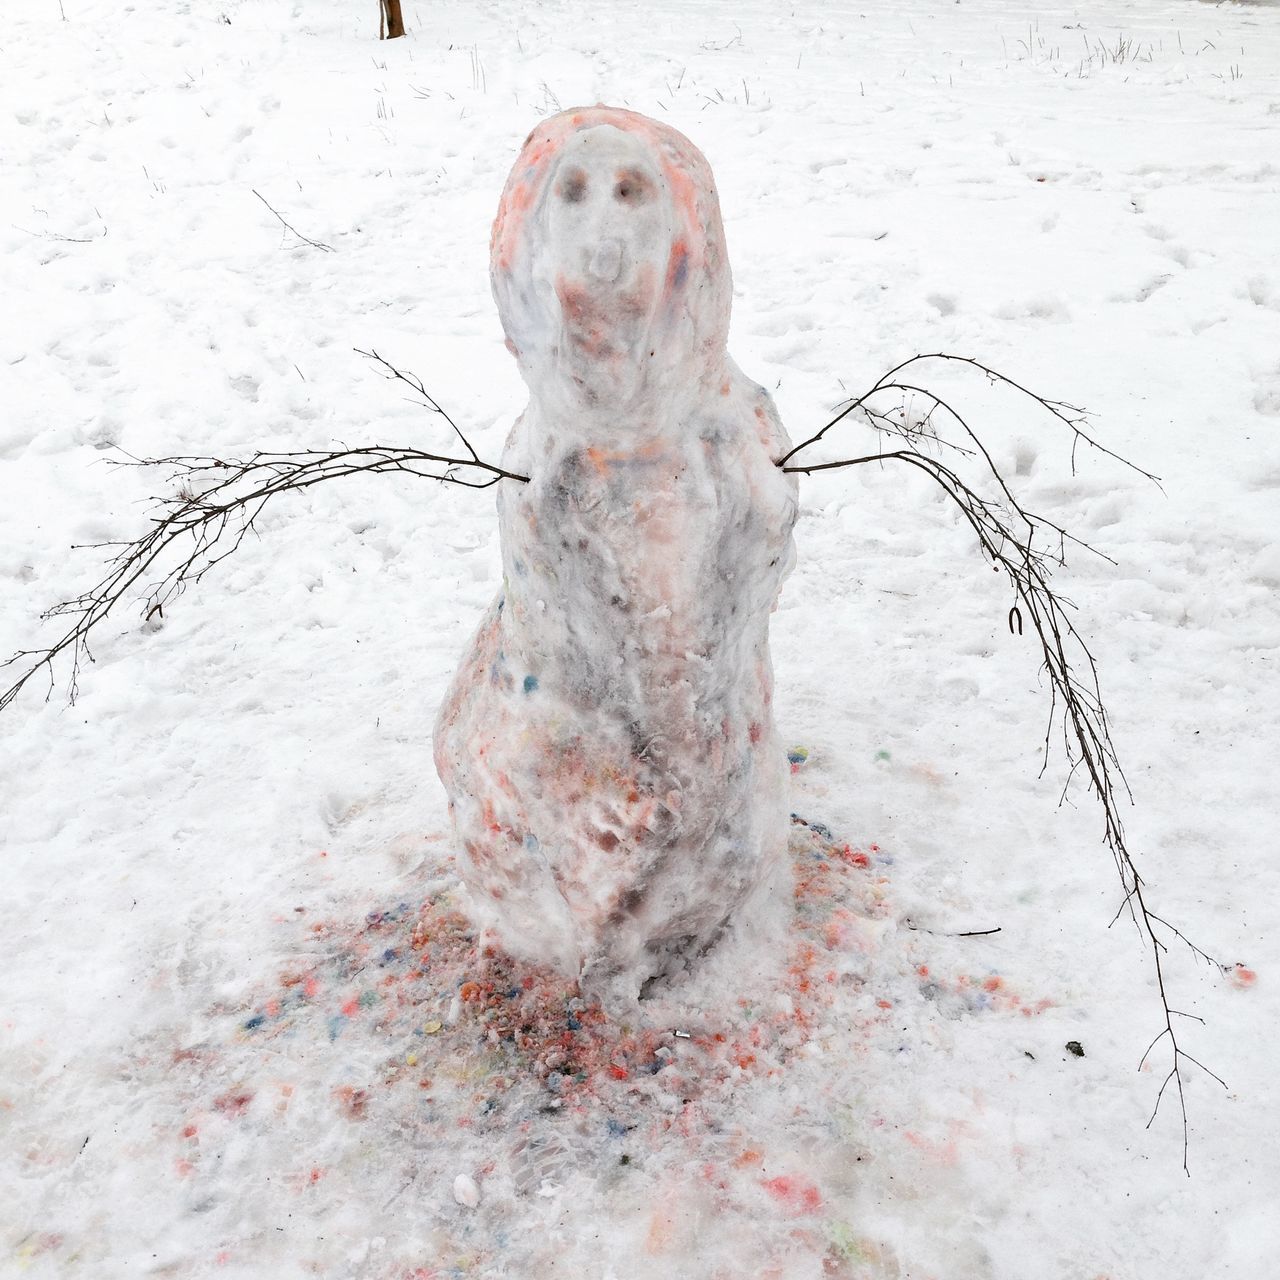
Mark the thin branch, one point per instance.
(1182, 937)
(1069, 415)
(1027, 547)
(425, 398)
(53, 235)
(943, 933)
(215, 504)
(315, 244)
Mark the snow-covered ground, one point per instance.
(237, 1034)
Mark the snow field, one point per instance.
(1087, 198)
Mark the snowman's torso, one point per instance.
(608, 744)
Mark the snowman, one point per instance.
(608, 743)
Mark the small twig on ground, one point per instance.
(946, 933)
(315, 244)
(53, 235)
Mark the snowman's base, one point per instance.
(757, 1117)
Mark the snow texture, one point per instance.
(608, 746)
(248, 1029)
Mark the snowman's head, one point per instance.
(608, 263)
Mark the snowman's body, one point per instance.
(608, 744)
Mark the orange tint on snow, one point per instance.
(233, 1103)
(351, 1101)
(798, 1195)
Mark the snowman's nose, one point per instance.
(606, 262)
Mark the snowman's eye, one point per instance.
(633, 187)
(573, 187)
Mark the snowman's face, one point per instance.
(610, 228)
(609, 268)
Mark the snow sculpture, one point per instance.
(608, 743)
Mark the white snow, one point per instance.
(244, 1031)
(465, 1191)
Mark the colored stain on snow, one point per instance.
(234, 1103)
(450, 1036)
(797, 1195)
(351, 1101)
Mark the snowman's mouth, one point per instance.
(603, 322)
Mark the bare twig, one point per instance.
(424, 397)
(944, 933)
(216, 503)
(315, 244)
(1027, 547)
(1069, 415)
(53, 235)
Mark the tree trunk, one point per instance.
(391, 22)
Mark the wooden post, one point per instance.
(390, 20)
